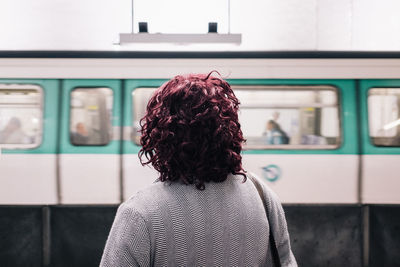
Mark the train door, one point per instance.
(28, 141)
(380, 111)
(301, 137)
(89, 160)
(136, 95)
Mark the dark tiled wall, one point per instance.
(325, 235)
(321, 235)
(20, 236)
(384, 237)
(78, 234)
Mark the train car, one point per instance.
(69, 127)
(322, 130)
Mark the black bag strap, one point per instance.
(274, 249)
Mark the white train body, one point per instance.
(345, 162)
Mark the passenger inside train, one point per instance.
(275, 135)
(81, 135)
(12, 133)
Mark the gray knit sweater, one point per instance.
(178, 225)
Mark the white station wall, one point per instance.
(264, 24)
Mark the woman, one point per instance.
(201, 211)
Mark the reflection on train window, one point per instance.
(91, 114)
(384, 116)
(20, 116)
(289, 117)
(140, 97)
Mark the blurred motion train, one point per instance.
(69, 127)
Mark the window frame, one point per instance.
(299, 87)
(296, 87)
(40, 90)
(370, 137)
(112, 130)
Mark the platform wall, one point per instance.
(321, 235)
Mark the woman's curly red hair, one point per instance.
(191, 132)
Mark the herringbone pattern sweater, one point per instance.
(178, 225)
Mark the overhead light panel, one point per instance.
(179, 38)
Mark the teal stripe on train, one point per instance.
(347, 100)
(67, 86)
(51, 91)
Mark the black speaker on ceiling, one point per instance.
(143, 27)
(212, 27)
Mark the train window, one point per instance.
(140, 97)
(289, 117)
(91, 115)
(20, 116)
(384, 116)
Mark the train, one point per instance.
(69, 125)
